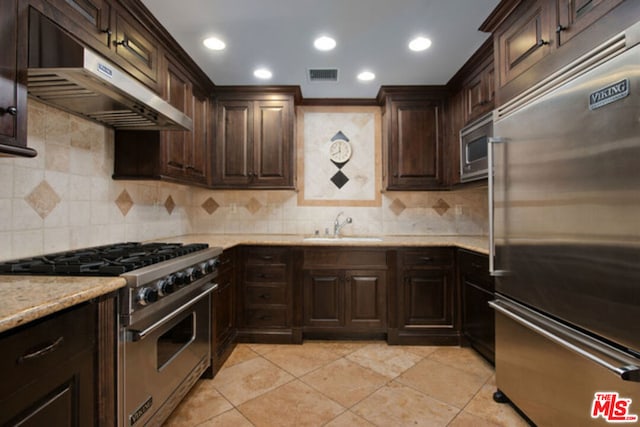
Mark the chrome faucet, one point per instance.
(337, 226)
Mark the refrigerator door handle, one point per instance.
(492, 245)
(628, 372)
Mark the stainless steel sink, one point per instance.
(343, 239)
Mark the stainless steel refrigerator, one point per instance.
(565, 241)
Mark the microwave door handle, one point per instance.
(491, 142)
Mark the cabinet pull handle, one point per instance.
(265, 296)
(12, 111)
(263, 276)
(265, 317)
(123, 42)
(42, 351)
(476, 265)
(560, 28)
(426, 259)
(267, 257)
(542, 42)
(107, 31)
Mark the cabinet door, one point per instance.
(524, 41)
(323, 296)
(234, 139)
(138, 48)
(197, 150)
(479, 91)
(272, 144)
(366, 299)
(224, 312)
(414, 145)
(576, 15)
(13, 90)
(94, 16)
(427, 299)
(177, 91)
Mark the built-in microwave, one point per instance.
(474, 143)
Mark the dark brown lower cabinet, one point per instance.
(426, 298)
(340, 299)
(478, 322)
(224, 329)
(60, 370)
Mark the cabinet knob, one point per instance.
(121, 42)
(107, 31)
(560, 28)
(12, 111)
(542, 42)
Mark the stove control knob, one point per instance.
(180, 278)
(204, 267)
(198, 272)
(147, 296)
(213, 264)
(165, 286)
(189, 275)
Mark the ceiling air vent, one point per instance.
(323, 74)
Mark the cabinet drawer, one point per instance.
(345, 258)
(474, 268)
(266, 318)
(226, 262)
(266, 295)
(31, 352)
(266, 255)
(276, 273)
(427, 258)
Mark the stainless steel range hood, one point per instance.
(69, 76)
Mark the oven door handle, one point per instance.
(140, 335)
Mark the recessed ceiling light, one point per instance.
(214, 43)
(262, 73)
(324, 43)
(419, 44)
(366, 76)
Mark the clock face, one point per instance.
(340, 151)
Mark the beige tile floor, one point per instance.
(347, 384)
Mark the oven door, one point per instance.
(474, 160)
(163, 357)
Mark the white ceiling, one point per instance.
(370, 34)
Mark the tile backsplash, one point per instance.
(65, 199)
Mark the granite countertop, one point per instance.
(475, 243)
(26, 298)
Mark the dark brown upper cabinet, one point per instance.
(138, 48)
(524, 41)
(535, 38)
(93, 16)
(13, 90)
(413, 135)
(479, 88)
(574, 16)
(181, 156)
(254, 140)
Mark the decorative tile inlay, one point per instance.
(124, 202)
(397, 207)
(441, 207)
(43, 199)
(210, 206)
(169, 205)
(253, 206)
(339, 179)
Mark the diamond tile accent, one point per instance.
(397, 207)
(210, 206)
(441, 207)
(339, 179)
(253, 206)
(43, 199)
(124, 202)
(169, 205)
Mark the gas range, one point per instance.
(154, 271)
(164, 332)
